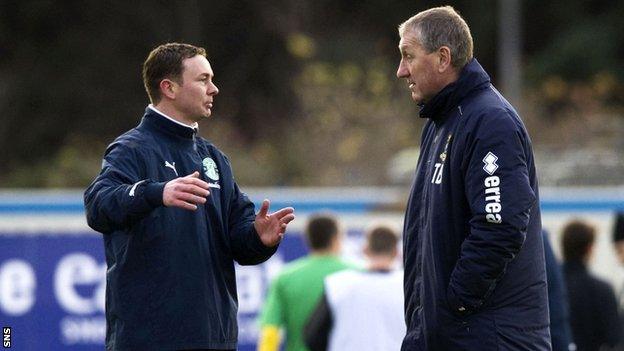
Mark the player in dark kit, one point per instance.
(173, 218)
(474, 260)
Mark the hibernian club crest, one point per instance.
(210, 169)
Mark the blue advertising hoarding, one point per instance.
(52, 290)
(52, 269)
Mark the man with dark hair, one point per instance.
(322, 232)
(173, 218)
(593, 308)
(296, 290)
(362, 310)
(473, 254)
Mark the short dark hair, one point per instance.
(321, 231)
(381, 240)
(577, 239)
(165, 62)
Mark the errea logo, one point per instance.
(490, 163)
(493, 206)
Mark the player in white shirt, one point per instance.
(362, 310)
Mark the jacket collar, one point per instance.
(153, 119)
(472, 77)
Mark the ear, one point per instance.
(168, 88)
(366, 251)
(444, 59)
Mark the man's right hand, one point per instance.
(186, 192)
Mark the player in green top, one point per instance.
(297, 289)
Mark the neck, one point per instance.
(324, 252)
(380, 263)
(451, 77)
(173, 113)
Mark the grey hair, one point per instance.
(442, 26)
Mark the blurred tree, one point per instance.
(295, 76)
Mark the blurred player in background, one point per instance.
(362, 310)
(618, 243)
(593, 308)
(174, 221)
(297, 289)
(558, 305)
(472, 244)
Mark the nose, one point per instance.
(213, 90)
(402, 71)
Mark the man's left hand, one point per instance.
(271, 227)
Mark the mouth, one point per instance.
(411, 85)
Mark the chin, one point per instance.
(203, 115)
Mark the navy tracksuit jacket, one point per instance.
(594, 317)
(473, 252)
(170, 278)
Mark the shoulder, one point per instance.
(205, 143)
(602, 287)
(131, 138)
(294, 267)
(131, 141)
(343, 277)
(397, 274)
(491, 122)
(489, 108)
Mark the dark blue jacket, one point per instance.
(170, 279)
(558, 305)
(593, 309)
(473, 252)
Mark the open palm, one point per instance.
(272, 226)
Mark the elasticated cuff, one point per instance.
(153, 193)
(259, 245)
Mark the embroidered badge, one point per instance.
(210, 169)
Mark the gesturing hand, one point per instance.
(271, 227)
(185, 192)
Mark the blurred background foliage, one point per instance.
(308, 94)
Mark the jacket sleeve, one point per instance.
(500, 196)
(118, 196)
(247, 248)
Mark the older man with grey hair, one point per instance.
(474, 259)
